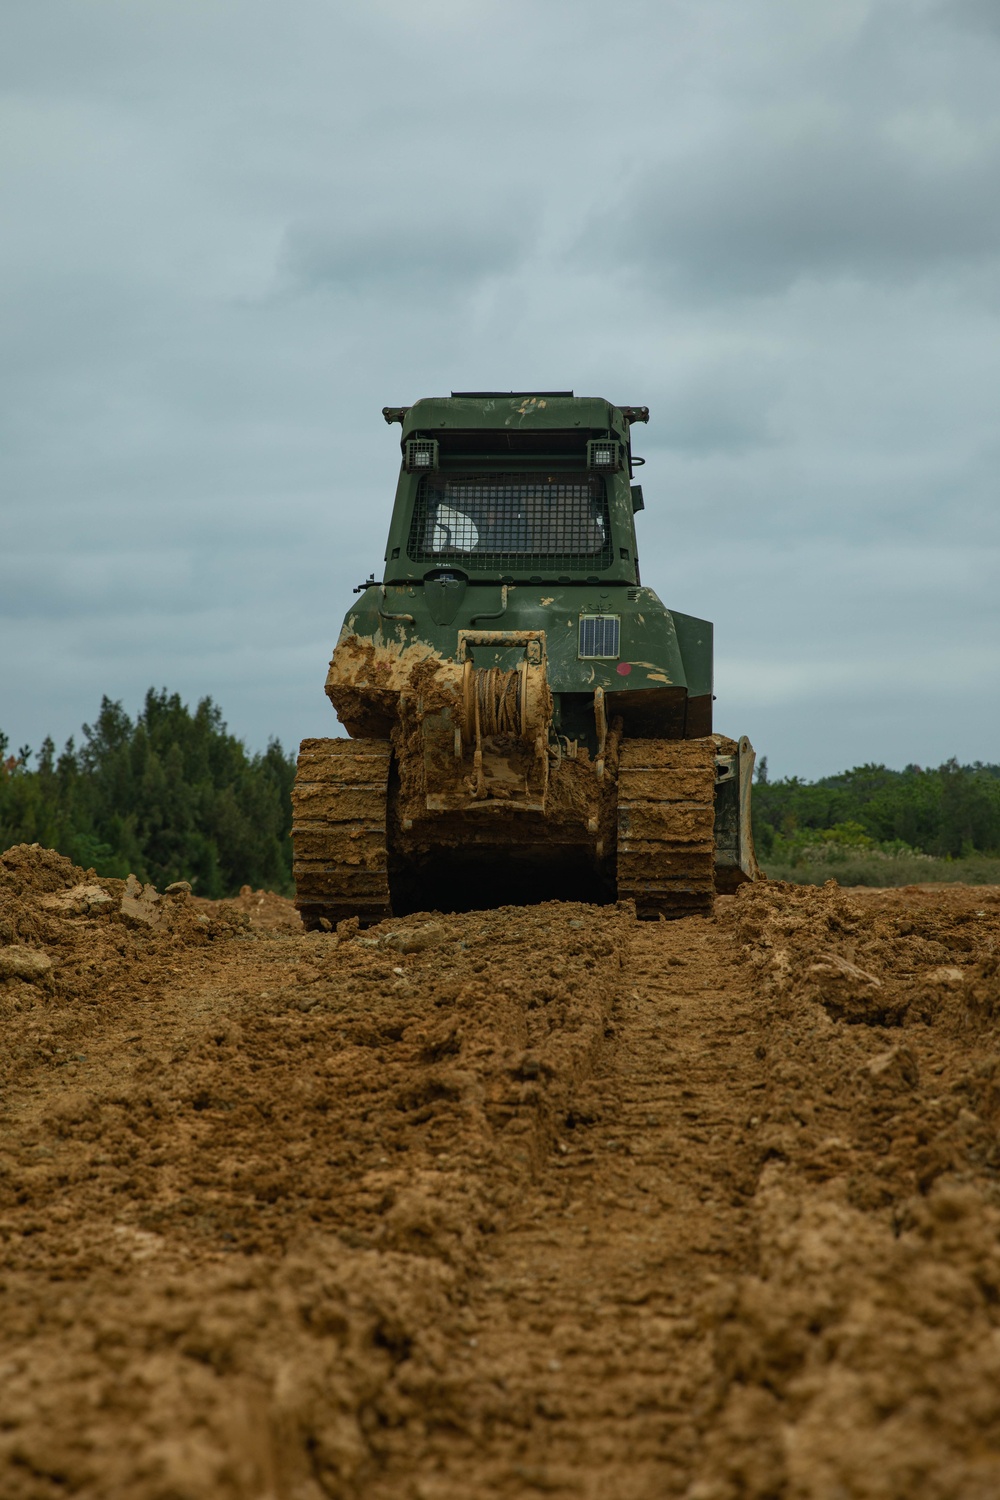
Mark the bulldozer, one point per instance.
(526, 720)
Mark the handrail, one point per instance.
(497, 612)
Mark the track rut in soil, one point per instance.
(538, 1200)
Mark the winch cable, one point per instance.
(499, 696)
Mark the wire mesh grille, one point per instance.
(604, 453)
(421, 453)
(512, 520)
(600, 635)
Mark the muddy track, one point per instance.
(339, 803)
(666, 814)
(538, 1200)
(583, 1372)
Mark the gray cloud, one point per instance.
(235, 231)
(756, 218)
(879, 160)
(978, 15)
(421, 251)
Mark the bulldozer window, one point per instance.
(518, 519)
(447, 527)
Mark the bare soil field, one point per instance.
(539, 1200)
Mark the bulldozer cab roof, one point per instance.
(514, 411)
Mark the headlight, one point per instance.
(420, 454)
(606, 454)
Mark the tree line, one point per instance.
(951, 811)
(170, 795)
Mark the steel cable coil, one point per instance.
(498, 695)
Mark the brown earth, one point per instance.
(533, 1201)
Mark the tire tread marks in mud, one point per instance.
(339, 831)
(666, 818)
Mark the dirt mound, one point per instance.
(263, 909)
(71, 942)
(235, 1217)
(863, 1350)
(531, 1200)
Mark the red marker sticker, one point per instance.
(624, 668)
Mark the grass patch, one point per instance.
(850, 856)
(876, 869)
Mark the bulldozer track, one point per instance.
(666, 818)
(339, 831)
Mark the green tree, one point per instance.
(948, 811)
(170, 796)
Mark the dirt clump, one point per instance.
(533, 1200)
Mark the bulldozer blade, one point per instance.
(735, 860)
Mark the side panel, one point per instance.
(695, 639)
(663, 659)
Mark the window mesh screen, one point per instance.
(512, 520)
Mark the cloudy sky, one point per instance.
(234, 229)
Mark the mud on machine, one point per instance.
(526, 720)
